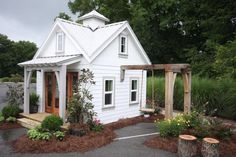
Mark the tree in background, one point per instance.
(12, 53)
(174, 31)
(64, 16)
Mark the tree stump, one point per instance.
(187, 146)
(210, 147)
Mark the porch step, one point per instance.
(28, 123)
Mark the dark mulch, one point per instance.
(70, 144)
(5, 126)
(132, 121)
(227, 146)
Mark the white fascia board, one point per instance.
(122, 28)
(45, 41)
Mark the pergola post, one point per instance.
(27, 77)
(187, 91)
(42, 94)
(170, 77)
(62, 90)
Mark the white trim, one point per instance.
(108, 92)
(60, 52)
(135, 90)
(125, 45)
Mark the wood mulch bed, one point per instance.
(5, 126)
(227, 146)
(72, 143)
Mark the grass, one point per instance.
(216, 97)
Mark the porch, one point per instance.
(32, 120)
(52, 84)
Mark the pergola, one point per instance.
(171, 71)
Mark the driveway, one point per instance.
(130, 146)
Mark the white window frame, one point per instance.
(126, 45)
(58, 51)
(134, 90)
(108, 92)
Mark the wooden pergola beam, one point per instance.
(166, 67)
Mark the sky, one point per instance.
(30, 20)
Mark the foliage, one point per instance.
(15, 94)
(194, 123)
(176, 31)
(34, 98)
(10, 111)
(52, 123)
(11, 119)
(5, 79)
(38, 134)
(59, 135)
(1, 117)
(12, 53)
(80, 107)
(96, 126)
(64, 16)
(16, 78)
(213, 97)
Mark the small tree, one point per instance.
(80, 107)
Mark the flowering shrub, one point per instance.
(96, 125)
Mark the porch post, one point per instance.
(62, 90)
(42, 94)
(187, 91)
(27, 76)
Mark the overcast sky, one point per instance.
(30, 19)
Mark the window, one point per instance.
(108, 98)
(134, 91)
(123, 45)
(60, 42)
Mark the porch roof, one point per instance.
(51, 61)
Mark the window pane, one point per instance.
(59, 42)
(123, 40)
(133, 96)
(134, 84)
(108, 99)
(108, 85)
(122, 48)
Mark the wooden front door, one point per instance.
(51, 93)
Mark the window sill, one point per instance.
(133, 103)
(108, 107)
(123, 55)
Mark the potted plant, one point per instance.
(34, 98)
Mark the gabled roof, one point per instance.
(94, 14)
(90, 43)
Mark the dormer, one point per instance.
(93, 20)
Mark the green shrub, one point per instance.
(16, 78)
(33, 80)
(1, 119)
(215, 97)
(96, 126)
(11, 119)
(5, 79)
(59, 135)
(38, 134)
(52, 123)
(34, 98)
(10, 111)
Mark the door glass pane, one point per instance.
(49, 81)
(134, 84)
(108, 85)
(75, 82)
(57, 95)
(133, 96)
(108, 99)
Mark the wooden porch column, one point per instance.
(27, 76)
(187, 91)
(170, 77)
(62, 91)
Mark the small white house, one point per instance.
(102, 48)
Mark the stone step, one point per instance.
(28, 123)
